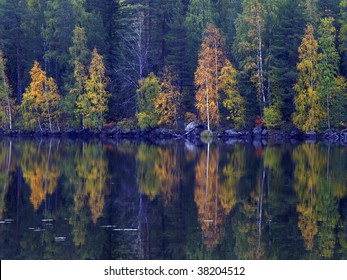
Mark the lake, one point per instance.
(74, 199)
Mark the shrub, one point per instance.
(259, 122)
(206, 136)
(127, 124)
(272, 117)
(146, 120)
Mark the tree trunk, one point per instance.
(207, 105)
(261, 76)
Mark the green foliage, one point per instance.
(146, 95)
(6, 102)
(206, 136)
(146, 120)
(94, 102)
(127, 124)
(328, 66)
(233, 101)
(272, 116)
(309, 109)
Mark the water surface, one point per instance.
(65, 199)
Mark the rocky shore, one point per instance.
(192, 131)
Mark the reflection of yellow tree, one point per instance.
(232, 173)
(40, 170)
(206, 196)
(166, 169)
(157, 171)
(92, 171)
(148, 183)
(308, 166)
(319, 184)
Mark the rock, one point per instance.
(232, 133)
(194, 125)
(264, 132)
(294, 133)
(257, 132)
(311, 135)
(246, 135)
(343, 135)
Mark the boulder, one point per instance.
(232, 133)
(265, 132)
(294, 133)
(194, 125)
(311, 135)
(257, 132)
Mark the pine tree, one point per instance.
(309, 110)
(198, 16)
(211, 60)
(343, 35)
(233, 101)
(249, 45)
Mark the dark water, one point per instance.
(62, 199)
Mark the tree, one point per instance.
(233, 101)
(94, 103)
(168, 102)
(249, 43)
(328, 65)
(6, 102)
(211, 60)
(309, 111)
(198, 16)
(59, 24)
(79, 58)
(283, 74)
(147, 93)
(40, 101)
(134, 52)
(343, 35)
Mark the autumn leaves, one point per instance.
(41, 101)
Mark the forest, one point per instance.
(95, 64)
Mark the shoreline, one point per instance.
(248, 136)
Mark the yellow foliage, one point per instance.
(211, 60)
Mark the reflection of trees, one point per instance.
(6, 166)
(206, 197)
(232, 172)
(319, 183)
(158, 171)
(91, 169)
(40, 170)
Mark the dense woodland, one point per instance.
(87, 64)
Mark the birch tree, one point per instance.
(6, 102)
(211, 61)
